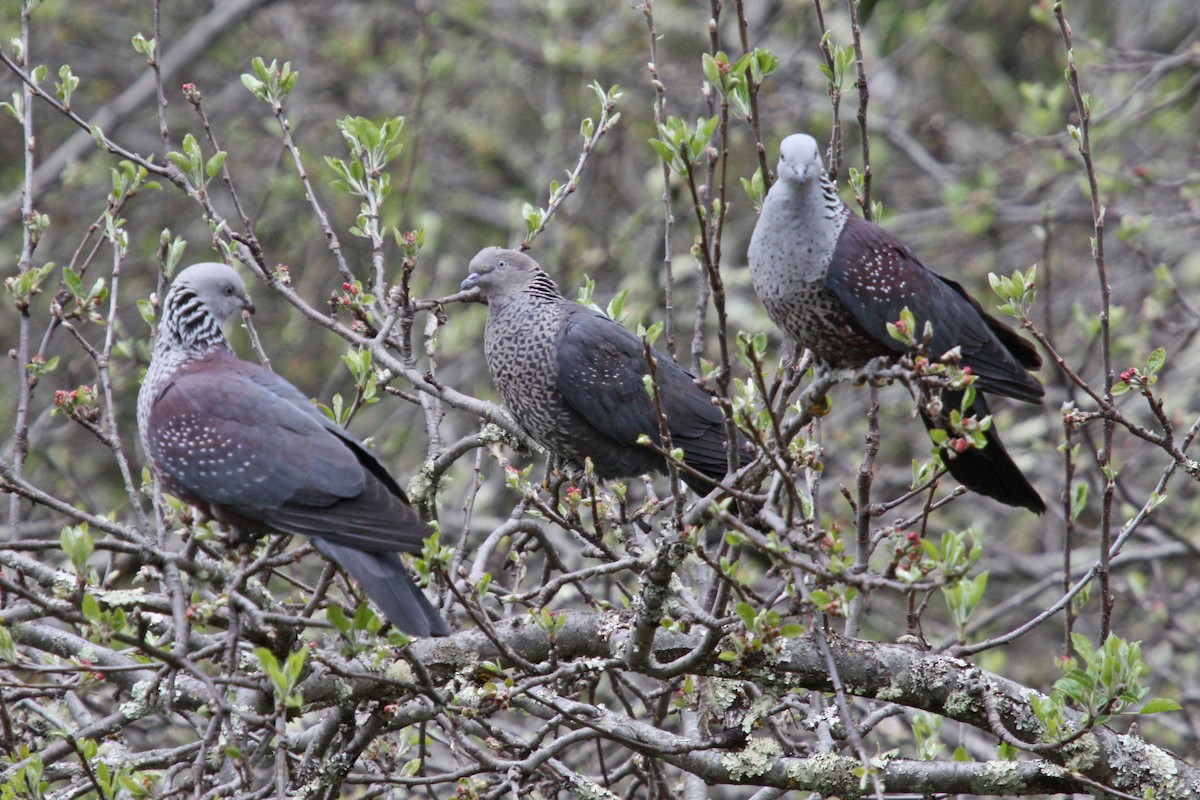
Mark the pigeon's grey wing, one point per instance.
(875, 277)
(223, 438)
(601, 374)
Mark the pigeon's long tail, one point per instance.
(707, 454)
(384, 579)
(989, 470)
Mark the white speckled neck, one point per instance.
(187, 324)
(817, 203)
(186, 332)
(796, 233)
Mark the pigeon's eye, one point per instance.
(501, 263)
(229, 290)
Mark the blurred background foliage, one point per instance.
(970, 156)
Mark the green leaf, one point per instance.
(1160, 704)
(294, 666)
(1082, 646)
(144, 46)
(652, 333)
(755, 188)
(365, 619)
(180, 160)
(746, 612)
(1156, 360)
(215, 163)
(256, 87)
(146, 309)
(7, 649)
(617, 304)
(267, 661)
(66, 85)
(1079, 496)
(78, 544)
(712, 72)
(73, 281)
(337, 618)
(260, 67)
(90, 608)
(764, 65)
(664, 150)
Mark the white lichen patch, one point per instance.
(759, 709)
(1160, 765)
(121, 597)
(1000, 777)
(88, 653)
(248, 662)
(960, 704)
(447, 652)
(400, 670)
(138, 704)
(725, 692)
(826, 773)
(1082, 753)
(492, 433)
(1141, 767)
(421, 488)
(469, 695)
(609, 623)
(590, 790)
(890, 692)
(64, 583)
(753, 760)
(929, 674)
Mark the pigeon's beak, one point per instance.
(792, 170)
(247, 306)
(471, 282)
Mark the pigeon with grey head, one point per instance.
(574, 379)
(248, 449)
(832, 281)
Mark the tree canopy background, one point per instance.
(974, 130)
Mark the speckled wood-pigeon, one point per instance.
(833, 281)
(573, 379)
(248, 449)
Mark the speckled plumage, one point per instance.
(572, 378)
(248, 449)
(833, 281)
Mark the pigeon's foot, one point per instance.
(820, 407)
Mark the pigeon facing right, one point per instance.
(572, 379)
(248, 449)
(833, 281)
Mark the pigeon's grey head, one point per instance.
(215, 287)
(800, 159)
(497, 271)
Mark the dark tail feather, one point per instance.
(990, 471)
(712, 459)
(384, 579)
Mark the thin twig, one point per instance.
(1084, 140)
